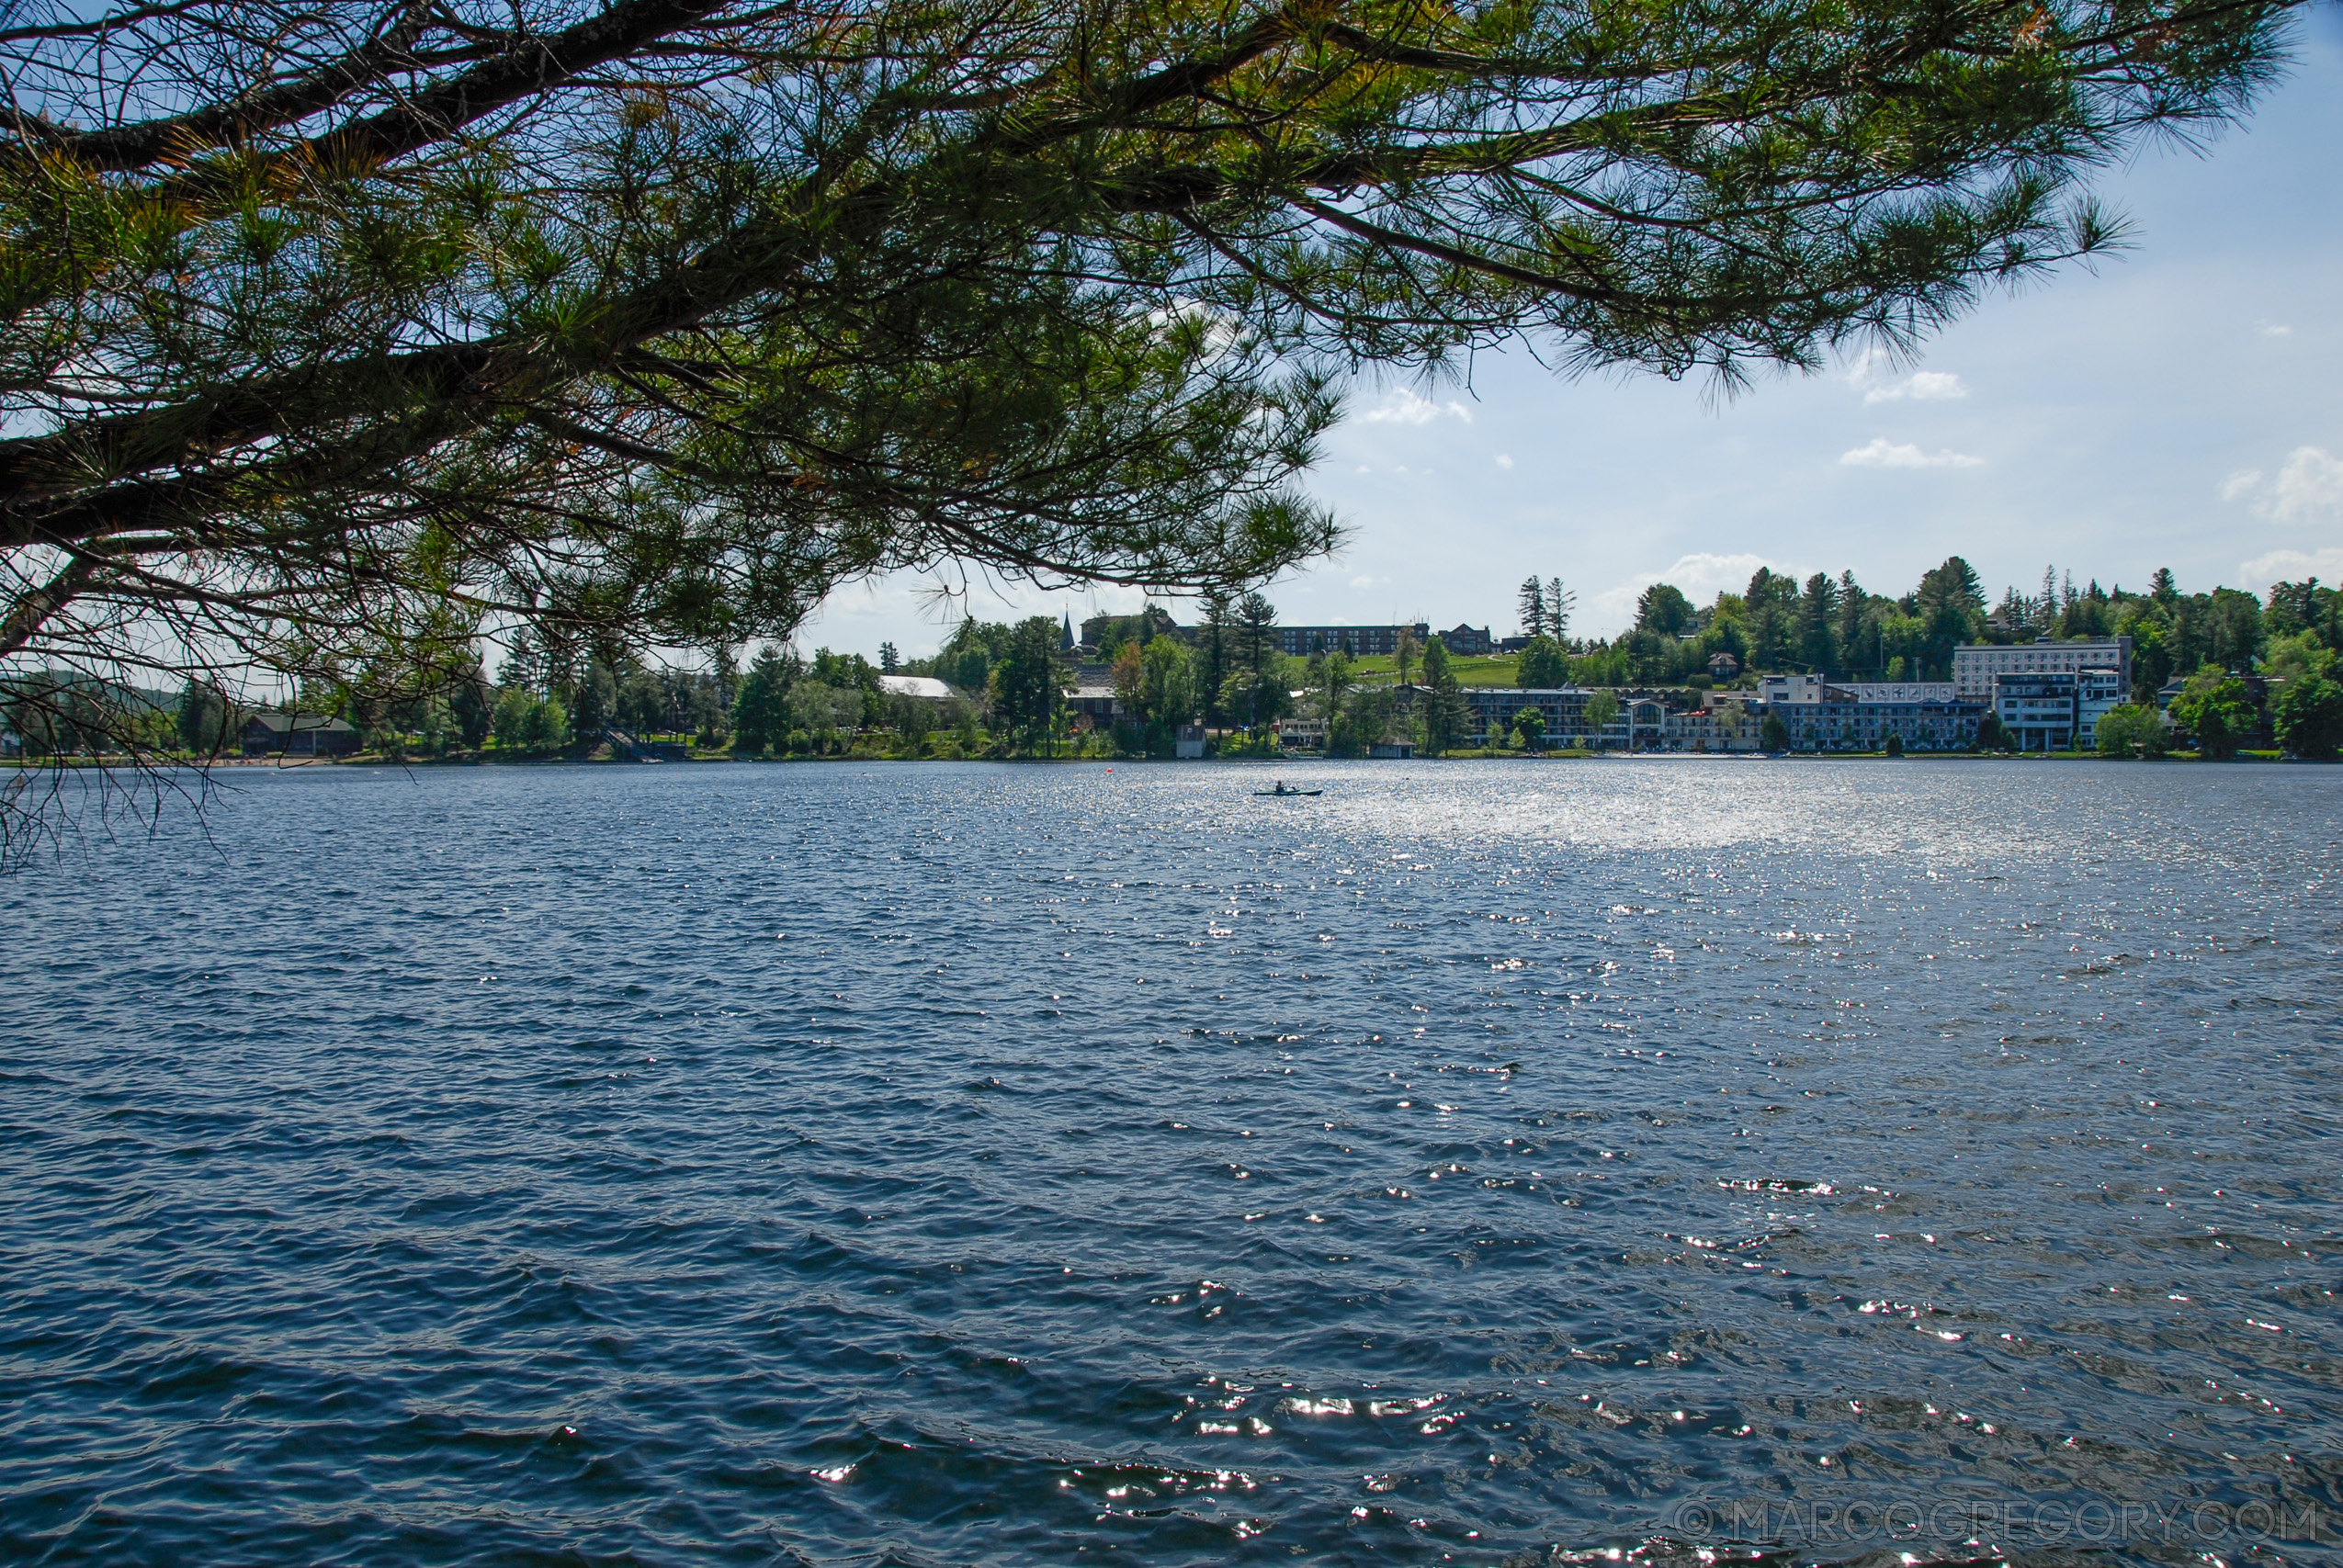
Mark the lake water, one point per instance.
(943, 1164)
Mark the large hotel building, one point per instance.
(1975, 664)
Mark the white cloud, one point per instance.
(1702, 577)
(1362, 581)
(2292, 566)
(2310, 486)
(1404, 407)
(2308, 489)
(2274, 329)
(1503, 461)
(1922, 386)
(1868, 375)
(1884, 454)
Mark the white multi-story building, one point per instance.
(2096, 690)
(1775, 691)
(2049, 712)
(2036, 711)
(1974, 664)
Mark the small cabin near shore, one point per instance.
(298, 735)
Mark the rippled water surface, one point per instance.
(950, 1163)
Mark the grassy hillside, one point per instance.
(1497, 670)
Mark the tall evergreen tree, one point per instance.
(760, 713)
(1444, 714)
(1819, 623)
(1213, 643)
(1558, 605)
(1849, 633)
(1950, 602)
(1770, 608)
(1530, 604)
(1257, 627)
(202, 719)
(1029, 686)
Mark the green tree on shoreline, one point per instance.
(2308, 718)
(1028, 688)
(1444, 714)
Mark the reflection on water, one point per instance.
(942, 1164)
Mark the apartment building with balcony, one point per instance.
(2056, 710)
(1860, 716)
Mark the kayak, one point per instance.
(1275, 793)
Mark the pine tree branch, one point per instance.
(31, 609)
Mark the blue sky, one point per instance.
(2181, 406)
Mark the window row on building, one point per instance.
(1300, 642)
(1976, 664)
(1642, 723)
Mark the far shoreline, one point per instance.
(115, 764)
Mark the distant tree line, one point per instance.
(2255, 666)
(1832, 625)
(2232, 646)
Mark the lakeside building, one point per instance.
(1647, 721)
(1563, 709)
(2036, 711)
(1649, 724)
(1301, 734)
(298, 735)
(1641, 724)
(1827, 716)
(1975, 664)
(1721, 727)
(2095, 691)
(1092, 698)
(2056, 710)
(1300, 642)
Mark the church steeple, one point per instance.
(1066, 638)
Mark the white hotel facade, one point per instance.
(1974, 664)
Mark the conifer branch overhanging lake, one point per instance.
(332, 332)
